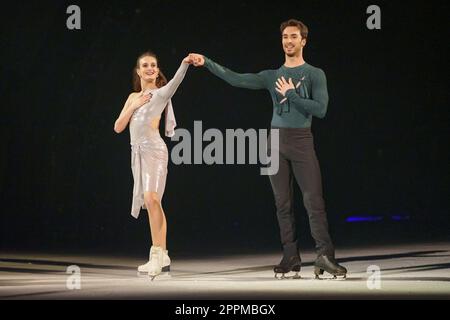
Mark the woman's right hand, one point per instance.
(140, 101)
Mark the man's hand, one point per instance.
(283, 85)
(198, 59)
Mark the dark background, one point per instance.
(65, 175)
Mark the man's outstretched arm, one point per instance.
(241, 80)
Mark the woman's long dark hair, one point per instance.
(160, 81)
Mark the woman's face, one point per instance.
(148, 69)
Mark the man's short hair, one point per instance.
(295, 23)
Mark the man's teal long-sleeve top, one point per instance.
(296, 108)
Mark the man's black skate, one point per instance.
(328, 264)
(287, 265)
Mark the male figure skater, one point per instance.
(299, 92)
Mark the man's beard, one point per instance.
(293, 54)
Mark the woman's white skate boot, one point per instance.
(156, 263)
(143, 269)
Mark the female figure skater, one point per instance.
(149, 155)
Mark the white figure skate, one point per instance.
(143, 269)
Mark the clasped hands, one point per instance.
(195, 59)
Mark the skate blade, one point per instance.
(161, 276)
(144, 274)
(288, 276)
(331, 277)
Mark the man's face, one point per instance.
(292, 41)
